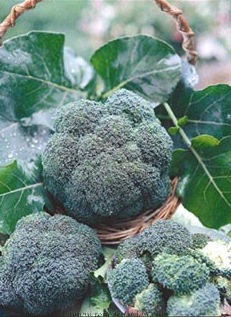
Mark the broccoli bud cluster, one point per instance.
(108, 160)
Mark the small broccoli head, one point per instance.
(127, 280)
(95, 163)
(202, 302)
(165, 236)
(181, 274)
(200, 240)
(150, 301)
(48, 261)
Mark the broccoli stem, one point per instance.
(175, 121)
(192, 149)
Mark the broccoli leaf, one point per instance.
(139, 63)
(35, 78)
(205, 178)
(207, 111)
(99, 299)
(21, 193)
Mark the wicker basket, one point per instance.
(120, 230)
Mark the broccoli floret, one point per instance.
(147, 137)
(96, 164)
(79, 118)
(200, 240)
(127, 280)
(133, 107)
(60, 158)
(203, 302)
(181, 274)
(165, 236)
(127, 249)
(46, 264)
(162, 236)
(150, 301)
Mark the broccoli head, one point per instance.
(181, 274)
(202, 302)
(163, 236)
(127, 279)
(150, 301)
(109, 160)
(45, 264)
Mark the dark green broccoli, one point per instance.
(109, 160)
(45, 264)
(127, 280)
(181, 274)
(202, 302)
(163, 236)
(150, 301)
(200, 240)
(131, 106)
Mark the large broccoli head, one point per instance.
(45, 264)
(108, 160)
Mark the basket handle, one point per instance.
(188, 43)
(15, 12)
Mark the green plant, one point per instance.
(46, 263)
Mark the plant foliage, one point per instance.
(38, 75)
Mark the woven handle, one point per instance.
(15, 12)
(188, 43)
(182, 25)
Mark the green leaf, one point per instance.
(205, 178)
(173, 130)
(99, 299)
(208, 111)
(21, 193)
(34, 79)
(204, 140)
(140, 63)
(183, 121)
